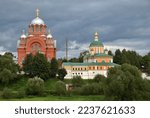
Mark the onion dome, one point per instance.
(49, 35)
(37, 20)
(23, 36)
(96, 42)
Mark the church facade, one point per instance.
(38, 40)
(96, 61)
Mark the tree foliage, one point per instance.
(92, 89)
(99, 78)
(8, 69)
(60, 88)
(6, 76)
(6, 62)
(125, 83)
(54, 67)
(130, 57)
(77, 81)
(7, 93)
(62, 73)
(37, 66)
(110, 53)
(35, 86)
(146, 63)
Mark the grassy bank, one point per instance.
(60, 98)
(20, 85)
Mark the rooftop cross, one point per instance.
(96, 36)
(37, 13)
(23, 31)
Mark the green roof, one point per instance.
(97, 55)
(96, 43)
(89, 64)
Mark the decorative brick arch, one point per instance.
(35, 40)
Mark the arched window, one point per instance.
(36, 47)
(36, 28)
(40, 28)
(32, 29)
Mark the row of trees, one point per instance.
(123, 83)
(133, 58)
(39, 66)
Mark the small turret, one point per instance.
(49, 35)
(55, 44)
(106, 51)
(23, 36)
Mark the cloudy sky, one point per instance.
(120, 23)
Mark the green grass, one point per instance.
(20, 85)
(60, 98)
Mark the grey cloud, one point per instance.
(77, 20)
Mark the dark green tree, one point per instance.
(8, 69)
(117, 57)
(124, 83)
(28, 65)
(9, 54)
(6, 62)
(99, 78)
(130, 57)
(146, 63)
(110, 53)
(62, 73)
(6, 76)
(37, 66)
(54, 67)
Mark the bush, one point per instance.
(6, 76)
(7, 93)
(92, 89)
(60, 88)
(99, 78)
(77, 81)
(35, 86)
(77, 91)
(20, 94)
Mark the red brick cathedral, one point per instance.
(38, 39)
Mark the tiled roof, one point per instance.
(89, 64)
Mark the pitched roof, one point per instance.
(89, 64)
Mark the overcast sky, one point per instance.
(120, 23)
